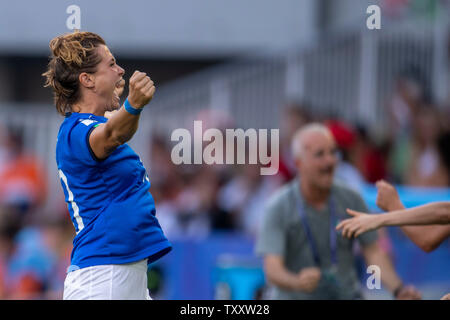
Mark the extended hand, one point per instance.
(362, 222)
(141, 90)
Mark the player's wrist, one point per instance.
(382, 220)
(131, 109)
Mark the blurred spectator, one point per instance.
(410, 92)
(426, 167)
(33, 258)
(443, 145)
(221, 120)
(295, 115)
(245, 194)
(165, 176)
(205, 188)
(371, 159)
(18, 263)
(10, 224)
(346, 171)
(296, 263)
(56, 235)
(22, 179)
(195, 212)
(3, 147)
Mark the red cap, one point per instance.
(343, 134)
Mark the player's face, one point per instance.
(107, 76)
(318, 160)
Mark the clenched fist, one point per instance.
(141, 90)
(308, 279)
(387, 197)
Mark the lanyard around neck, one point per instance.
(332, 232)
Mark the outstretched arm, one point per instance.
(426, 237)
(433, 213)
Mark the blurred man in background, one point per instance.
(304, 257)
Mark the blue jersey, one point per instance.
(109, 200)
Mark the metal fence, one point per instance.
(349, 75)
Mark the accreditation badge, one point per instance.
(330, 282)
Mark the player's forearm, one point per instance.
(122, 125)
(429, 237)
(433, 213)
(426, 237)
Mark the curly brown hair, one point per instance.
(72, 54)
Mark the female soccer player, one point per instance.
(105, 184)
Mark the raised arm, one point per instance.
(427, 238)
(122, 125)
(433, 213)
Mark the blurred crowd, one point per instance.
(195, 200)
(192, 201)
(34, 245)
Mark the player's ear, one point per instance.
(86, 80)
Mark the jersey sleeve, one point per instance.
(79, 141)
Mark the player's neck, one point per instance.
(314, 196)
(92, 104)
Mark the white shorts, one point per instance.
(108, 282)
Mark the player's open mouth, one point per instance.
(118, 82)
